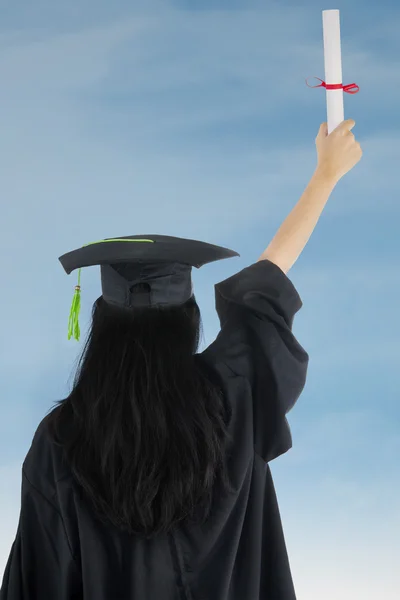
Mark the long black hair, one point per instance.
(146, 425)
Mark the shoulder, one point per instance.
(44, 465)
(41, 438)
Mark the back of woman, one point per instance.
(151, 479)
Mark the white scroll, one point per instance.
(333, 67)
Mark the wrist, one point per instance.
(324, 177)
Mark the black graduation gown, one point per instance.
(62, 553)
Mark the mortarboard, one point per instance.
(161, 261)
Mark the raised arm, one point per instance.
(337, 154)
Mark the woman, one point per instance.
(151, 479)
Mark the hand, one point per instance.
(338, 152)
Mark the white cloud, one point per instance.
(69, 159)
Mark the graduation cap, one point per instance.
(162, 262)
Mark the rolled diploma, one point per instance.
(333, 67)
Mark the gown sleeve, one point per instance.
(256, 308)
(40, 565)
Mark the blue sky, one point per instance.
(195, 121)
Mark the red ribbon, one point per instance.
(350, 88)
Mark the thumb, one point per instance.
(323, 130)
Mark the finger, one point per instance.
(348, 133)
(323, 130)
(347, 125)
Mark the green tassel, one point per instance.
(73, 323)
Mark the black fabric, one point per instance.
(62, 553)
